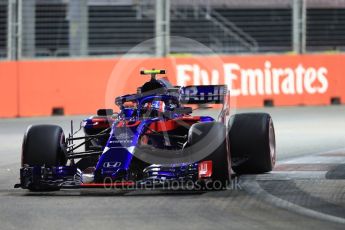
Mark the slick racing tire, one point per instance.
(203, 135)
(44, 145)
(252, 141)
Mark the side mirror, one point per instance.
(105, 112)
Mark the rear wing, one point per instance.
(204, 94)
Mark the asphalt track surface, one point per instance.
(306, 191)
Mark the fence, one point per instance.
(3, 29)
(80, 28)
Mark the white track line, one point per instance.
(315, 155)
(317, 160)
(254, 188)
(292, 175)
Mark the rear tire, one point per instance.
(252, 140)
(199, 139)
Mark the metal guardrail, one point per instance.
(74, 28)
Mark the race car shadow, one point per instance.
(102, 192)
(229, 192)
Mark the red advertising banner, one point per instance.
(35, 88)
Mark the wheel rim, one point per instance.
(272, 143)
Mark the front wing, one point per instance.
(39, 178)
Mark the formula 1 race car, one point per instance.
(152, 141)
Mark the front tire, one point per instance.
(43, 145)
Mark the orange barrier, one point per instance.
(32, 88)
(9, 91)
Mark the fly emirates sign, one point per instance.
(267, 80)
